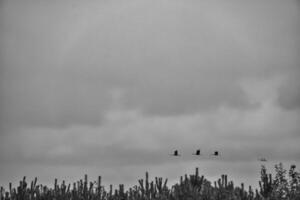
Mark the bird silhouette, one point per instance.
(262, 159)
(175, 153)
(216, 153)
(197, 152)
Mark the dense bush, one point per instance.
(193, 187)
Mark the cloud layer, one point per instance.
(119, 85)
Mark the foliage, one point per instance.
(193, 187)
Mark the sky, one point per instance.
(111, 88)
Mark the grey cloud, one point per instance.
(59, 70)
(119, 85)
(87, 155)
(120, 155)
(126, 142)
(145, 141)
(289, 92)
(188, 96)
(49, 97)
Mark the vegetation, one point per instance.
(194, 187)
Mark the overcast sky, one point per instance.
(112, 87)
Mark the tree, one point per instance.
(265, 184)
(281, 188)
(294, 183)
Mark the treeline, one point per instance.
(284, 185)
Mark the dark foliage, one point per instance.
(193, 187)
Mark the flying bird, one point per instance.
(197, 152)
(262, 159)
(216, 153)
(175, 153)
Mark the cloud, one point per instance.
(62, 70)
(118, 86)
(50, 98)
(131, 143)
(289, 92)
(130, 139)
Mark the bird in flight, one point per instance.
(175, 153)
(197, 152)
(262, 159)
(216, 153)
